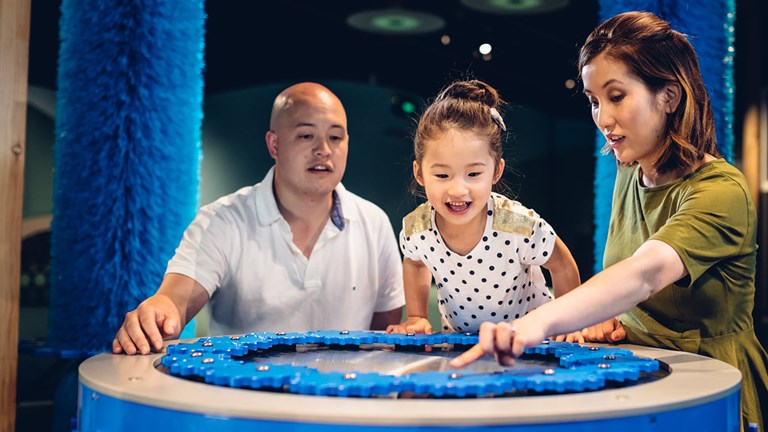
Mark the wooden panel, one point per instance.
(14, 57)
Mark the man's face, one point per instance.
(310, 145)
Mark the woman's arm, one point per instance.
(615, 290)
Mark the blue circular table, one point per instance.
(355, 381)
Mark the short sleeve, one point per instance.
(407, 247)
(536, 249)
(390, 292)
(711, 225)
(201, 254)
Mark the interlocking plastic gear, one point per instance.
(220, 361)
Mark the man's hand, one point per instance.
(412, 325)
(145, 328)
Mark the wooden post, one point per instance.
(14, 59)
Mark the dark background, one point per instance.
(254, 48)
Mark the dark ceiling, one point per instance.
(255, 42)
(533, 55)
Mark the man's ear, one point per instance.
(499, 171)
(417, 173)
(672, 95)
(271, 139)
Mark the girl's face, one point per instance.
(458, 173)
(630, 116)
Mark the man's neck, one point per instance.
(306, 215)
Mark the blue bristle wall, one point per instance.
(709, 26)
(127, 158)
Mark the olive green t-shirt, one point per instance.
(709, 219)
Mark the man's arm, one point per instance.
(161, 316)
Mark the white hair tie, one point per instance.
(497, 118)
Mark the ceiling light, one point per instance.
(395, 21)
(522, 7)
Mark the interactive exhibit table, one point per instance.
(370, 381)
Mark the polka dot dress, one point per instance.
(499, 280)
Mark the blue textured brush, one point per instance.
(127, 158)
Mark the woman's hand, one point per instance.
(505, 341)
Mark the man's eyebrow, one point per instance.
(310, 124)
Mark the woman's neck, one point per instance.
(650, 177)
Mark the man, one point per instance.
(296, 252)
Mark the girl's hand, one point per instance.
(575, 337)
(412, 325)
(505, 341)
(608, 331)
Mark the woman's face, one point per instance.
(630, 116)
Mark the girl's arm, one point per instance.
(563, 269)
(417, 280)
(615, 290)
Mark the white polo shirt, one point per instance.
(240, 249)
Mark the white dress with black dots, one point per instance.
(499, 280)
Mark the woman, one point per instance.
(681, 250)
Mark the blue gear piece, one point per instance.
(220, 361)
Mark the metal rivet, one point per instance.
(549, 372)
(410, 334)
(467, 334)
(545, 341)
(262, 368)
(280, 333)
(234, 338)
(609, 357)
(453, 376)
(207, 360)
(604, 366)
(594, 348)
(207, 344)
(196, 354)
(345, 332)
(350, 376)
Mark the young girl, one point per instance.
(483, 249)
(681, 250)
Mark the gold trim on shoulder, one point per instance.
(418, 220)
(511, 217)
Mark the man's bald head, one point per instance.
(298, 95)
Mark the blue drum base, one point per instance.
(368, 382)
